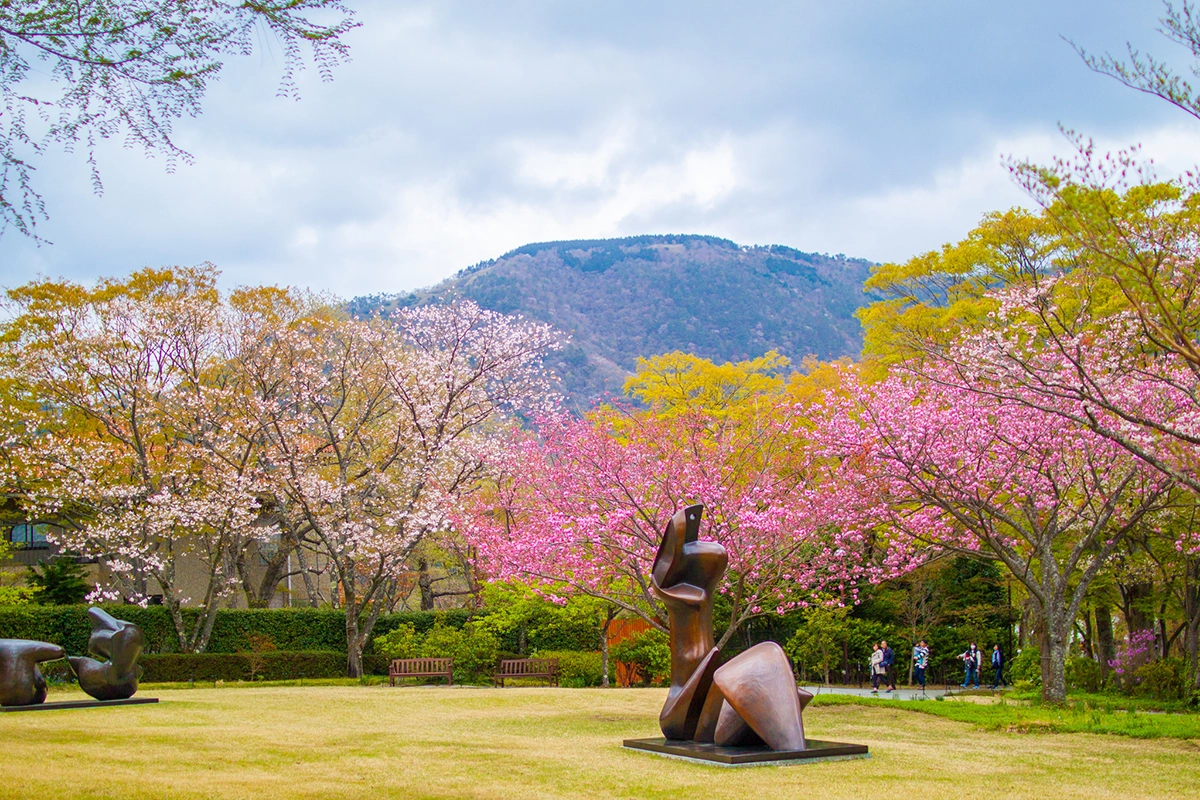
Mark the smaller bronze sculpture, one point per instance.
(121, 643)
(21, 682)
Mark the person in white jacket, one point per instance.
(877, 668)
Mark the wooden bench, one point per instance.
(527, 668)
(421, 668)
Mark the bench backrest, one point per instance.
(421, 664)
(529, 666)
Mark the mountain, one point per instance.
(644, 295)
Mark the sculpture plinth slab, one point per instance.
(64, 704)
(815, 750)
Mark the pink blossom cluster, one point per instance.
(583, 505)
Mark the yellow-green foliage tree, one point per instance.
(678, 381)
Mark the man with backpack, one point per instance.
(889, 663)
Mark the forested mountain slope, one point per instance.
(644, 295)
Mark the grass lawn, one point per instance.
(1078, 716)
(426, 742)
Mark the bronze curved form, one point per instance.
(21, 682)
(121, 643)
(752, 698)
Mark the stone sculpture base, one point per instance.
(133, 701)
(757, 756)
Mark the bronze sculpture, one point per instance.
(120, 643)
(751, 699)
(21, 682)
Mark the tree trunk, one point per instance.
(425, 582)
(1106, 649)
(604, 660)
(610, 614)
(354, 667)
(1191, 611)
(1089, 636)
(1056, 629)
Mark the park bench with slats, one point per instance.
(546, 668)
(421, 668)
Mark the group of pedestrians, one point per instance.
(883, 666)
(972, 659)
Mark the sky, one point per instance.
(461, 130)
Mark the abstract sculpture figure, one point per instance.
(752, 699)
(121, 643)
(21, 682)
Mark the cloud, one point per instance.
(462, 130)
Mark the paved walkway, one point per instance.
(899, 694)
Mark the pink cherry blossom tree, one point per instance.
(946, 465)
(581, 508)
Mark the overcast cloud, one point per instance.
(464, 129)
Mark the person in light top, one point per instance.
(920, 662)
(876, 667)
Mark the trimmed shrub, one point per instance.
(290, 629)
(276, 665)
(576, 668)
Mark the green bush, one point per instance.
(1165, 679)
(1027, 666)
(474, 649)
(276, 665)
(16, 595)
(403, 641)
(1083, 674)
(576, 668)
(649, 653)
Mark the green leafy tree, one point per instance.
(61, 582)
(817, 644)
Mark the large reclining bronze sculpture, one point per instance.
(750, 699)
(121, 643)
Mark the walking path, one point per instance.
(899, 694)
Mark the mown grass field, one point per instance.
(434, 742)
(1078, 716)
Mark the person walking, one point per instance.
(889, 665)
(920, 662)
(972, 659)
(876, 667)
(998, 666)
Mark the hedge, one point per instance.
(289, 629)
(277, 665)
